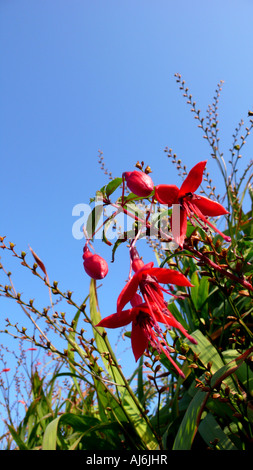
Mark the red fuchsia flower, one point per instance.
(94, 265)
(145, 328)
(196, 207)
(139, 183)
(148, 279)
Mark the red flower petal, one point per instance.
(139, 340)
(169, 276)
(209, 207)
(193, 180)
(117, 320)
(167, 194)
(179, 235)
(145, 267)
(127, 293)
(160, 316)
(129, 290)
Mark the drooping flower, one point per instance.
(148, 280)
(139, 183)
(145, 328)
(94, 265)
(196, 207)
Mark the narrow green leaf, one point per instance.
(228, 369)
(244, 373)
(207, 354)
(189, 424)
(35, 430)
(81, 423)
(210, 430)
(50, 435)
(108, 223)
(78, 423)
(177, 314)
(93, 219)
(203, 293)
(195, 289)
(20, 443)
(206, 351)
(140, 390)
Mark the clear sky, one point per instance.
(77, 76)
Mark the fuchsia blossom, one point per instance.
(148, 279)
(145, 316)
(196, 207)
(145, 328)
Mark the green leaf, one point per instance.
(50, 435)
(244, 373)
(112, 186)
(140, 389)
(199, 293)
(228, 369)
(206, 351)
(107, 224)
(78, 423)
(210, 430)
(20, 443)
(195, 289)
(116, 245)
(189, 424)
(93, 219)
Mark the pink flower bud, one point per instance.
(94, 265)
(139, 183)
(137, 263)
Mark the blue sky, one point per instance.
(78, 76)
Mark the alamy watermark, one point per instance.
(104, 220)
